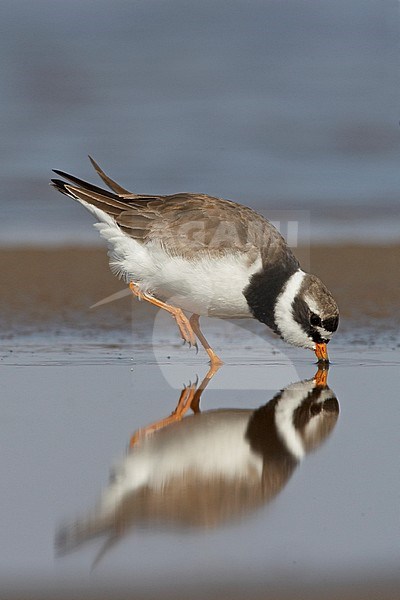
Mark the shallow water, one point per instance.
(69, 409)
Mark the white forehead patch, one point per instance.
(290, 330)
(326, 335)
(312, 304)
(315, 309)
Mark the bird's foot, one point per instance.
(185, 329)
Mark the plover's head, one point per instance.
(306, 314)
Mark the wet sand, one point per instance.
(56, 286)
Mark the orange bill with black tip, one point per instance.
(321, 352)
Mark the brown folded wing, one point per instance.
(185, 224)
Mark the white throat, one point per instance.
(290, 330)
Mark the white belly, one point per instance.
(205, 286)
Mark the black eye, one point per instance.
(315, 320)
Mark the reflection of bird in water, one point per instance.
(210, 467)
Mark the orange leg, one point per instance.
(215, 361)
(189, 398)
(183, 405)
(181, 319)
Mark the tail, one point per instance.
(110, 209)
(88, 194)
(113, 185)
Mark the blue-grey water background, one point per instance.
(278, 105)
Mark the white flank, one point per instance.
(124, 252)
(205, 285)
(291, 331)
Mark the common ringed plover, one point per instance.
(208, 256)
